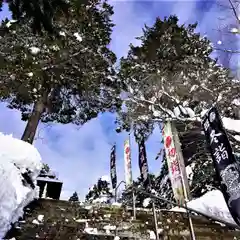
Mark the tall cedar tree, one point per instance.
(40, 13)
(171, 75)
(74, 197)
(64, 79)
(172, 67)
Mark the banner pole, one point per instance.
(133, 192)
(154, 212)
(134, 205)
(178, 151)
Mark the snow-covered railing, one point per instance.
(190, 209)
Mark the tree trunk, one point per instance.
(33, 121)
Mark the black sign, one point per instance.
(226, 167)
(113, 171)
(143, 163)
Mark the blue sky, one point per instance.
(80, 155)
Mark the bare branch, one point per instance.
(228, 50)
(234, 11)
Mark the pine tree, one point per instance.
(45, 169)
(100, 192)
(74, 198)
(153, 188)
(64, 79)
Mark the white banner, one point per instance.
(176, 166)
(127, 163)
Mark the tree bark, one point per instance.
(33, 121)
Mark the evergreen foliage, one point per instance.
(100, 192)
(40, 13)
(66, 79)
(74, 198)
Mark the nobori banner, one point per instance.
(225, 164)
(113, 172)
(127, 163)
(176, 166)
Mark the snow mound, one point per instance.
(212, 204)
(16, 158)
(231, 124)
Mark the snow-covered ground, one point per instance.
(16, 158)
(212, 204)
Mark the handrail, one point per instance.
(187, 208)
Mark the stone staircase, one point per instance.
(47, 219)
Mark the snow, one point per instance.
(82, 220)
(105, 178)
(40, 218)
(61, 33)
(109, 227)
(91, 230)
(212, 204)
(152, 234)
(236, 102)
(117, 204)
(30, 74)
(16, 157)
(34, 50)
(234, 30)
(237, 137)
(35, 221)
(9, 23)
(101, 199)
(146, 202)
(78, 37)
(231, 124)
(48, 179)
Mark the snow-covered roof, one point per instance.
(48, 179)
